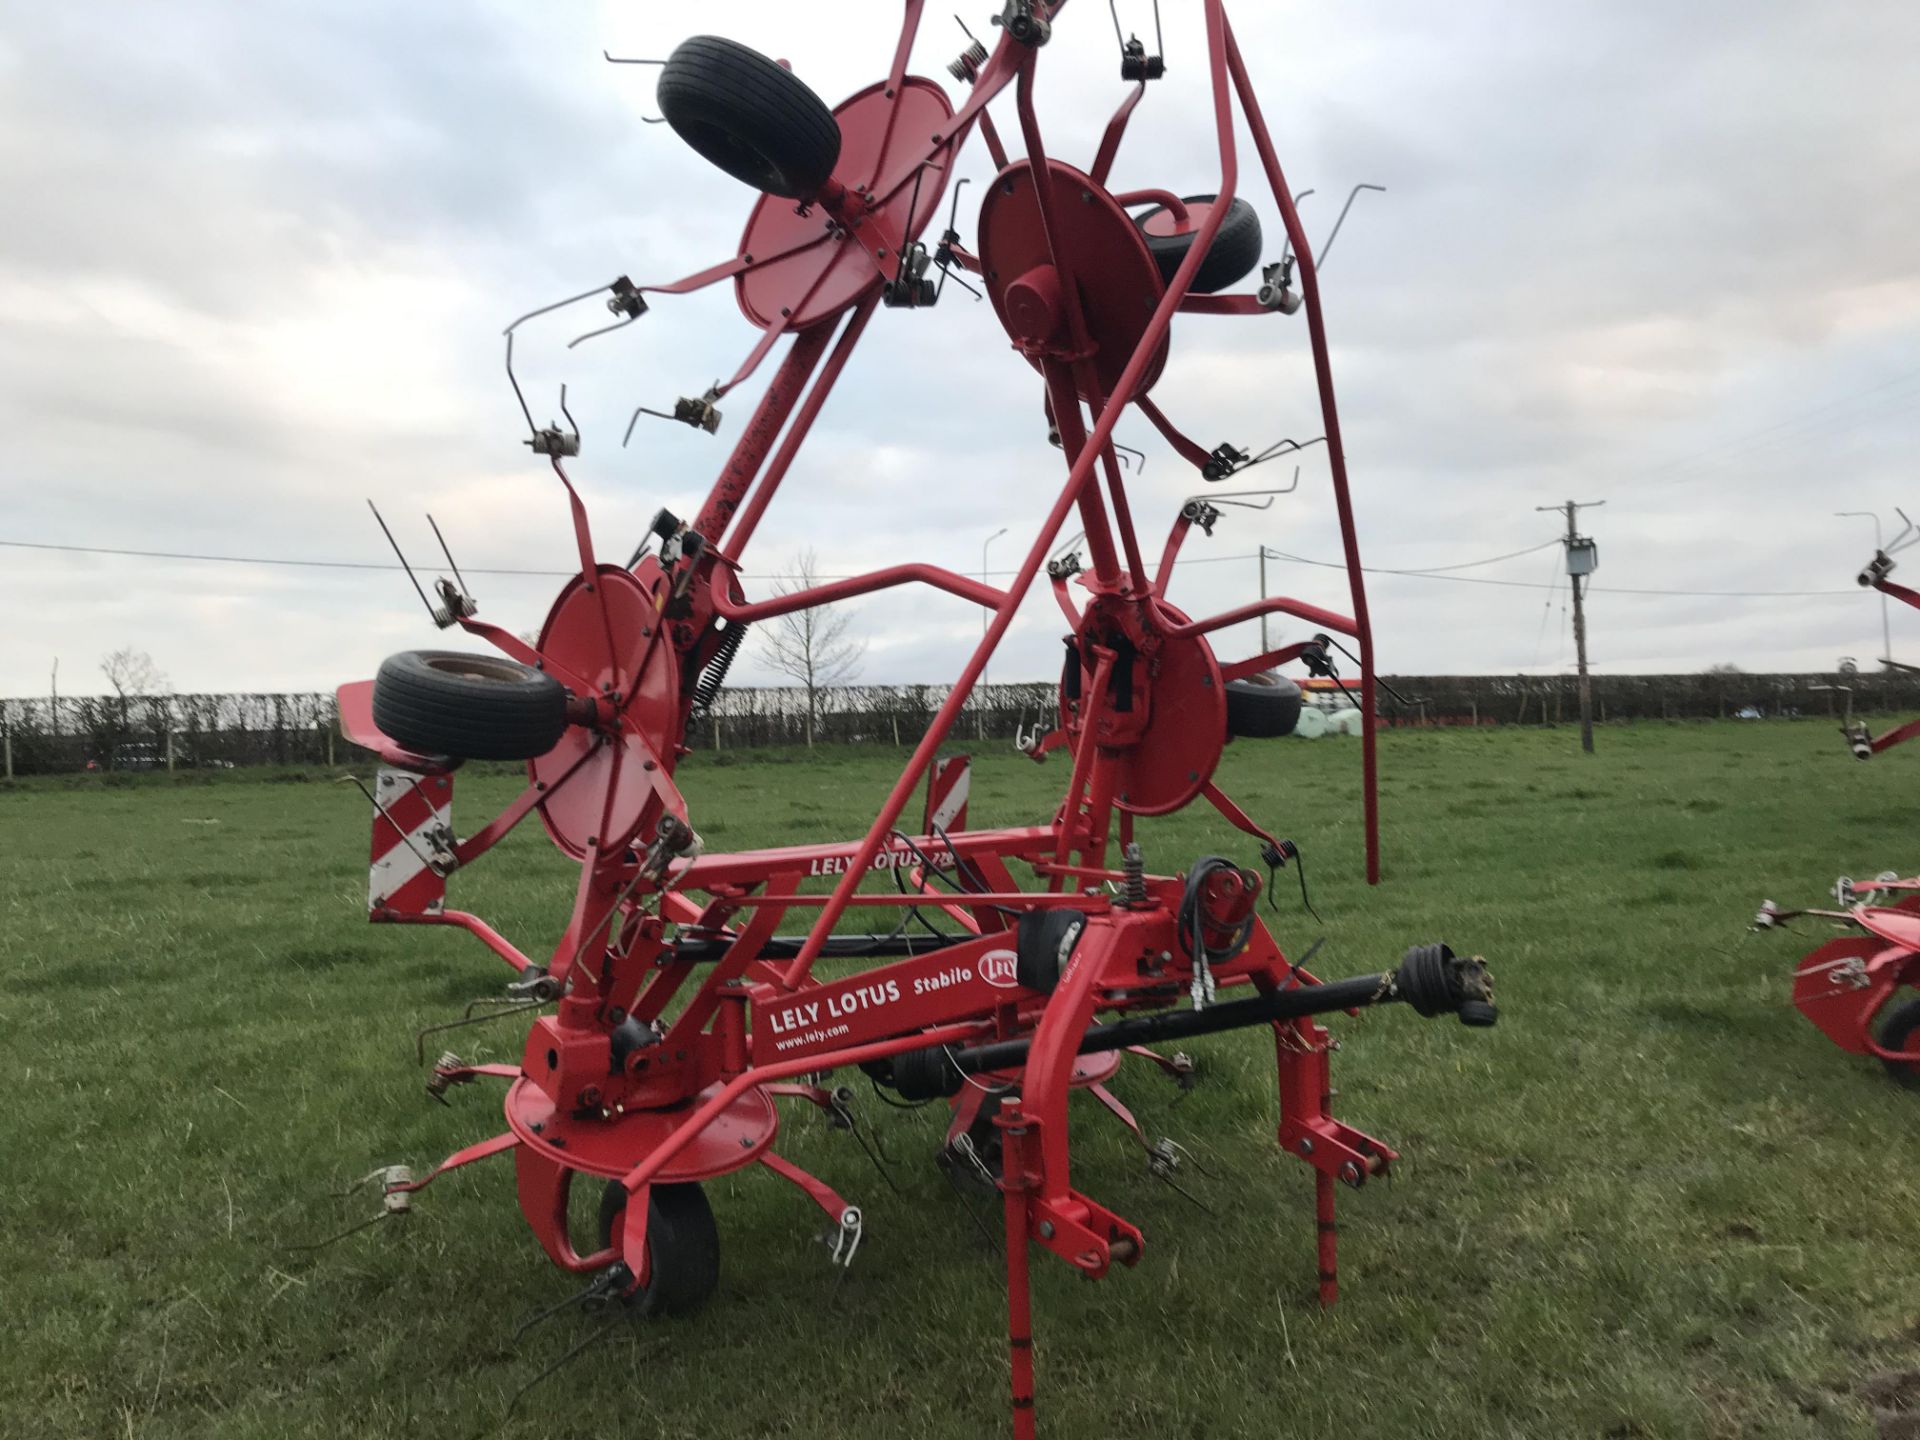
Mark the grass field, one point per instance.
(1653, 1202)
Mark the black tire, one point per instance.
(1896, 1033)
(1231, 258)
(1043, 942)
(683, 1247)
(1262, 706)
(471, 707)
(750, 117)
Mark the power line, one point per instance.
(1438, 573)
(1805, 423)
(249, 559)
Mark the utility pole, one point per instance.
(1263, 596)
(1583, 558)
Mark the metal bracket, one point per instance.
(1022, 25)
(700, 413)
(1135, 63)
(1276, 287)
(845, 1241)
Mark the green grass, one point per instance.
(1653, 1202)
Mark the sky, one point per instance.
(257, 259)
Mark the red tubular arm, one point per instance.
(1336, 450)
(1276, 605)
(1190, 451)
(742, 613)
(1899, 592)
(1110, 142)
(1077, 478)
(1241, 669)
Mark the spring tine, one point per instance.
(603, 330)
(511, 380)
(402, 558)
(549, 309)
(507, 1008)
(1326, 247)
(593, 1337)
(446, 552)
(336, 1239)
(644, 119)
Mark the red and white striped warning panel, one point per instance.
(412, 843)
(947, 786)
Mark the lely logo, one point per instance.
(1001, 968)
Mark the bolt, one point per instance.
(746, 1142)
(1306, 1146)
(1046, 1229)
(1350, 1173)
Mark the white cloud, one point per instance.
(1657, 253)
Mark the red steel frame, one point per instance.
(751, 1014)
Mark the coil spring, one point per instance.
(715, 675)
(1136, 877)
(970, 61)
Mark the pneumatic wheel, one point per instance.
(1231, 257)
(471, 707)
(1263, 705)
(752, 118)
(683, 1247)
(1899, 1031)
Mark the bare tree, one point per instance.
(133, 675)
(812, 646)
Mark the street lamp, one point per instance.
(986, 617)
(1886, 629)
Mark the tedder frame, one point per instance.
(682, 1009)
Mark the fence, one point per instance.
(41, 736)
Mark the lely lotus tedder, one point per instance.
(691, 990)
(1861, 989)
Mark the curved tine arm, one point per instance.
(1173, 203)
(1001, 67)
(1277, 605)
(742, 612)
(1116, 127)
(1899, 592)
(1189, 450)
(1176, 537)
(909, 27)
(1257, 664)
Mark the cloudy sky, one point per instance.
(256, 259)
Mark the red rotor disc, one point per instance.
(609, 797)
(878, 134)
(1114, 274)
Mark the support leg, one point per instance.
(1019, 1316)
(1323, 1195)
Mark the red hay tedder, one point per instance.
(682, 1009)
(1848, 986)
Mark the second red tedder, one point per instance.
(693, 989)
